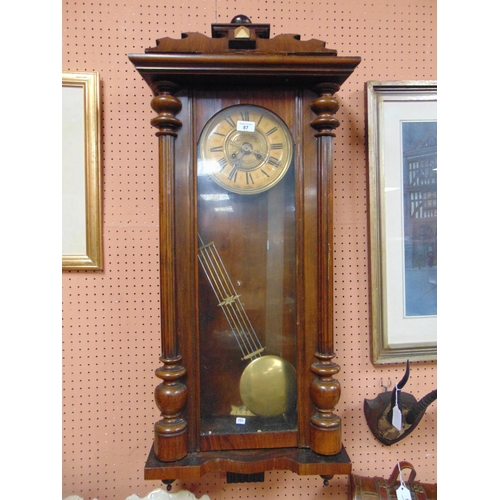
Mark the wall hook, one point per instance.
(385, 386)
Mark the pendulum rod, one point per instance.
(229, 300)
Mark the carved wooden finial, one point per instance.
(325, 107)
(167, 106)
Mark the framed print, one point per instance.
(402, 157)
(81, 172)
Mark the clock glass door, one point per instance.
(247, 280)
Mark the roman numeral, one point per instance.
(230, 121)
(278, 145)
(264, 172)
(274, 161)
(245, 116)
(217, 149)
(269, 132)
(222, 162)
(249, 178)
(233, 174)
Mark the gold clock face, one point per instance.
(245, 149)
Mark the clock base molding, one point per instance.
(302, 461)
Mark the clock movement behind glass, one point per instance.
(248, 379)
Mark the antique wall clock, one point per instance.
(246, 129)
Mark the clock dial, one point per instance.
(246, 149)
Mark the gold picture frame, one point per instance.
(81, 172)
(402, 164)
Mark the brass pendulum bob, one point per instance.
(268, 386)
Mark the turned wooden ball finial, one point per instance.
(241, 19)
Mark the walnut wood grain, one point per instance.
(326, 426)
(197, 43)
(171, 395)
(284, 60)
(297, 80)
(258, 70)
(302, 461)
(253, 441)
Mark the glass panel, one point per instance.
(247, 279)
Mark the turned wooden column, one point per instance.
(325, 426)
(170, 441)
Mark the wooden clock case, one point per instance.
(192, 78)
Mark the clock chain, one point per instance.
(229, 300)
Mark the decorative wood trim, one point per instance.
(216, 442)
(302, 461)
(325, 426)
(171, 395)
(283, 60)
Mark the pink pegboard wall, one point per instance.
(111, 318)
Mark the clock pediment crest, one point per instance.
(253, 59)
(197, 43)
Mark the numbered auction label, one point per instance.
(243, 126)
(403, 493)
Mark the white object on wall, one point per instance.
(75, 497)
(158, 494)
